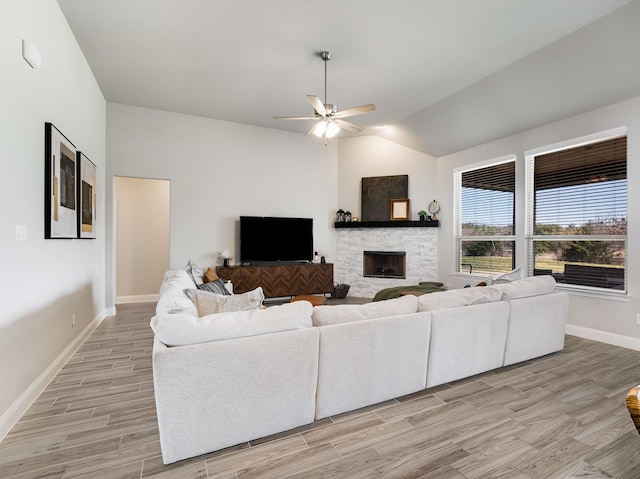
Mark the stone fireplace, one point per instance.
(420, 256)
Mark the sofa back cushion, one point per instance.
(345, 313)
(184, 329)
(456, 298)
(176, 279)
(531, 286)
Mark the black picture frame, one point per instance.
(87, 197)
(60, 190)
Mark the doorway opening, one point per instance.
(142, 237)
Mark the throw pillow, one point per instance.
(513, 275)
(195, 272)
(210, 276)
(216, 286)
(211, 303)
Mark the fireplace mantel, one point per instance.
(387, 224)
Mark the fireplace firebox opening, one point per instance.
(385, 264)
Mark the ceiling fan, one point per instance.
(330, 119)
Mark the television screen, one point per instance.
(272, 239)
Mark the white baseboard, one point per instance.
(141, 298)
(604, 337)
(20, 405)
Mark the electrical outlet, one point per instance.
(638, 318)
(73, 320)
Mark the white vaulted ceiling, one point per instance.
(444, 74)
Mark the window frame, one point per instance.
(457, 207)
(531, 238)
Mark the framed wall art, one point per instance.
(399, 209)
(60, 200)
(87, 194)
(376, 193)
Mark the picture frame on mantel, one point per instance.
(60, 197)
(87, 197)
(399, 209)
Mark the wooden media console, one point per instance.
(280, 280)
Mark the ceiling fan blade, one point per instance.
(358, 110)
(347, 126)
(317, 104)
(295, 117)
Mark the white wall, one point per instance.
(43, 282)
(219, 171)
(606, 315)
(142, 231)
(373, 156)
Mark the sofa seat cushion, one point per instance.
(524, 288)
(183, 329)
(456, 298)
(345, 313)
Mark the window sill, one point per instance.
(597, 293)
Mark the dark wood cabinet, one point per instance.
(280, 280)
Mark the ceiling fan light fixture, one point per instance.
(332, 129)
(319, 129)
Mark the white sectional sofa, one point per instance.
(228, 378)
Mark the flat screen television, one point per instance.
(274, 239)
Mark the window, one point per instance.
(485, 217)
(577, 209)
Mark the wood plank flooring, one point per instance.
(559, 416)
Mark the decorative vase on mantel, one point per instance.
(225, 262)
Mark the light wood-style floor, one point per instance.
(562, 415)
